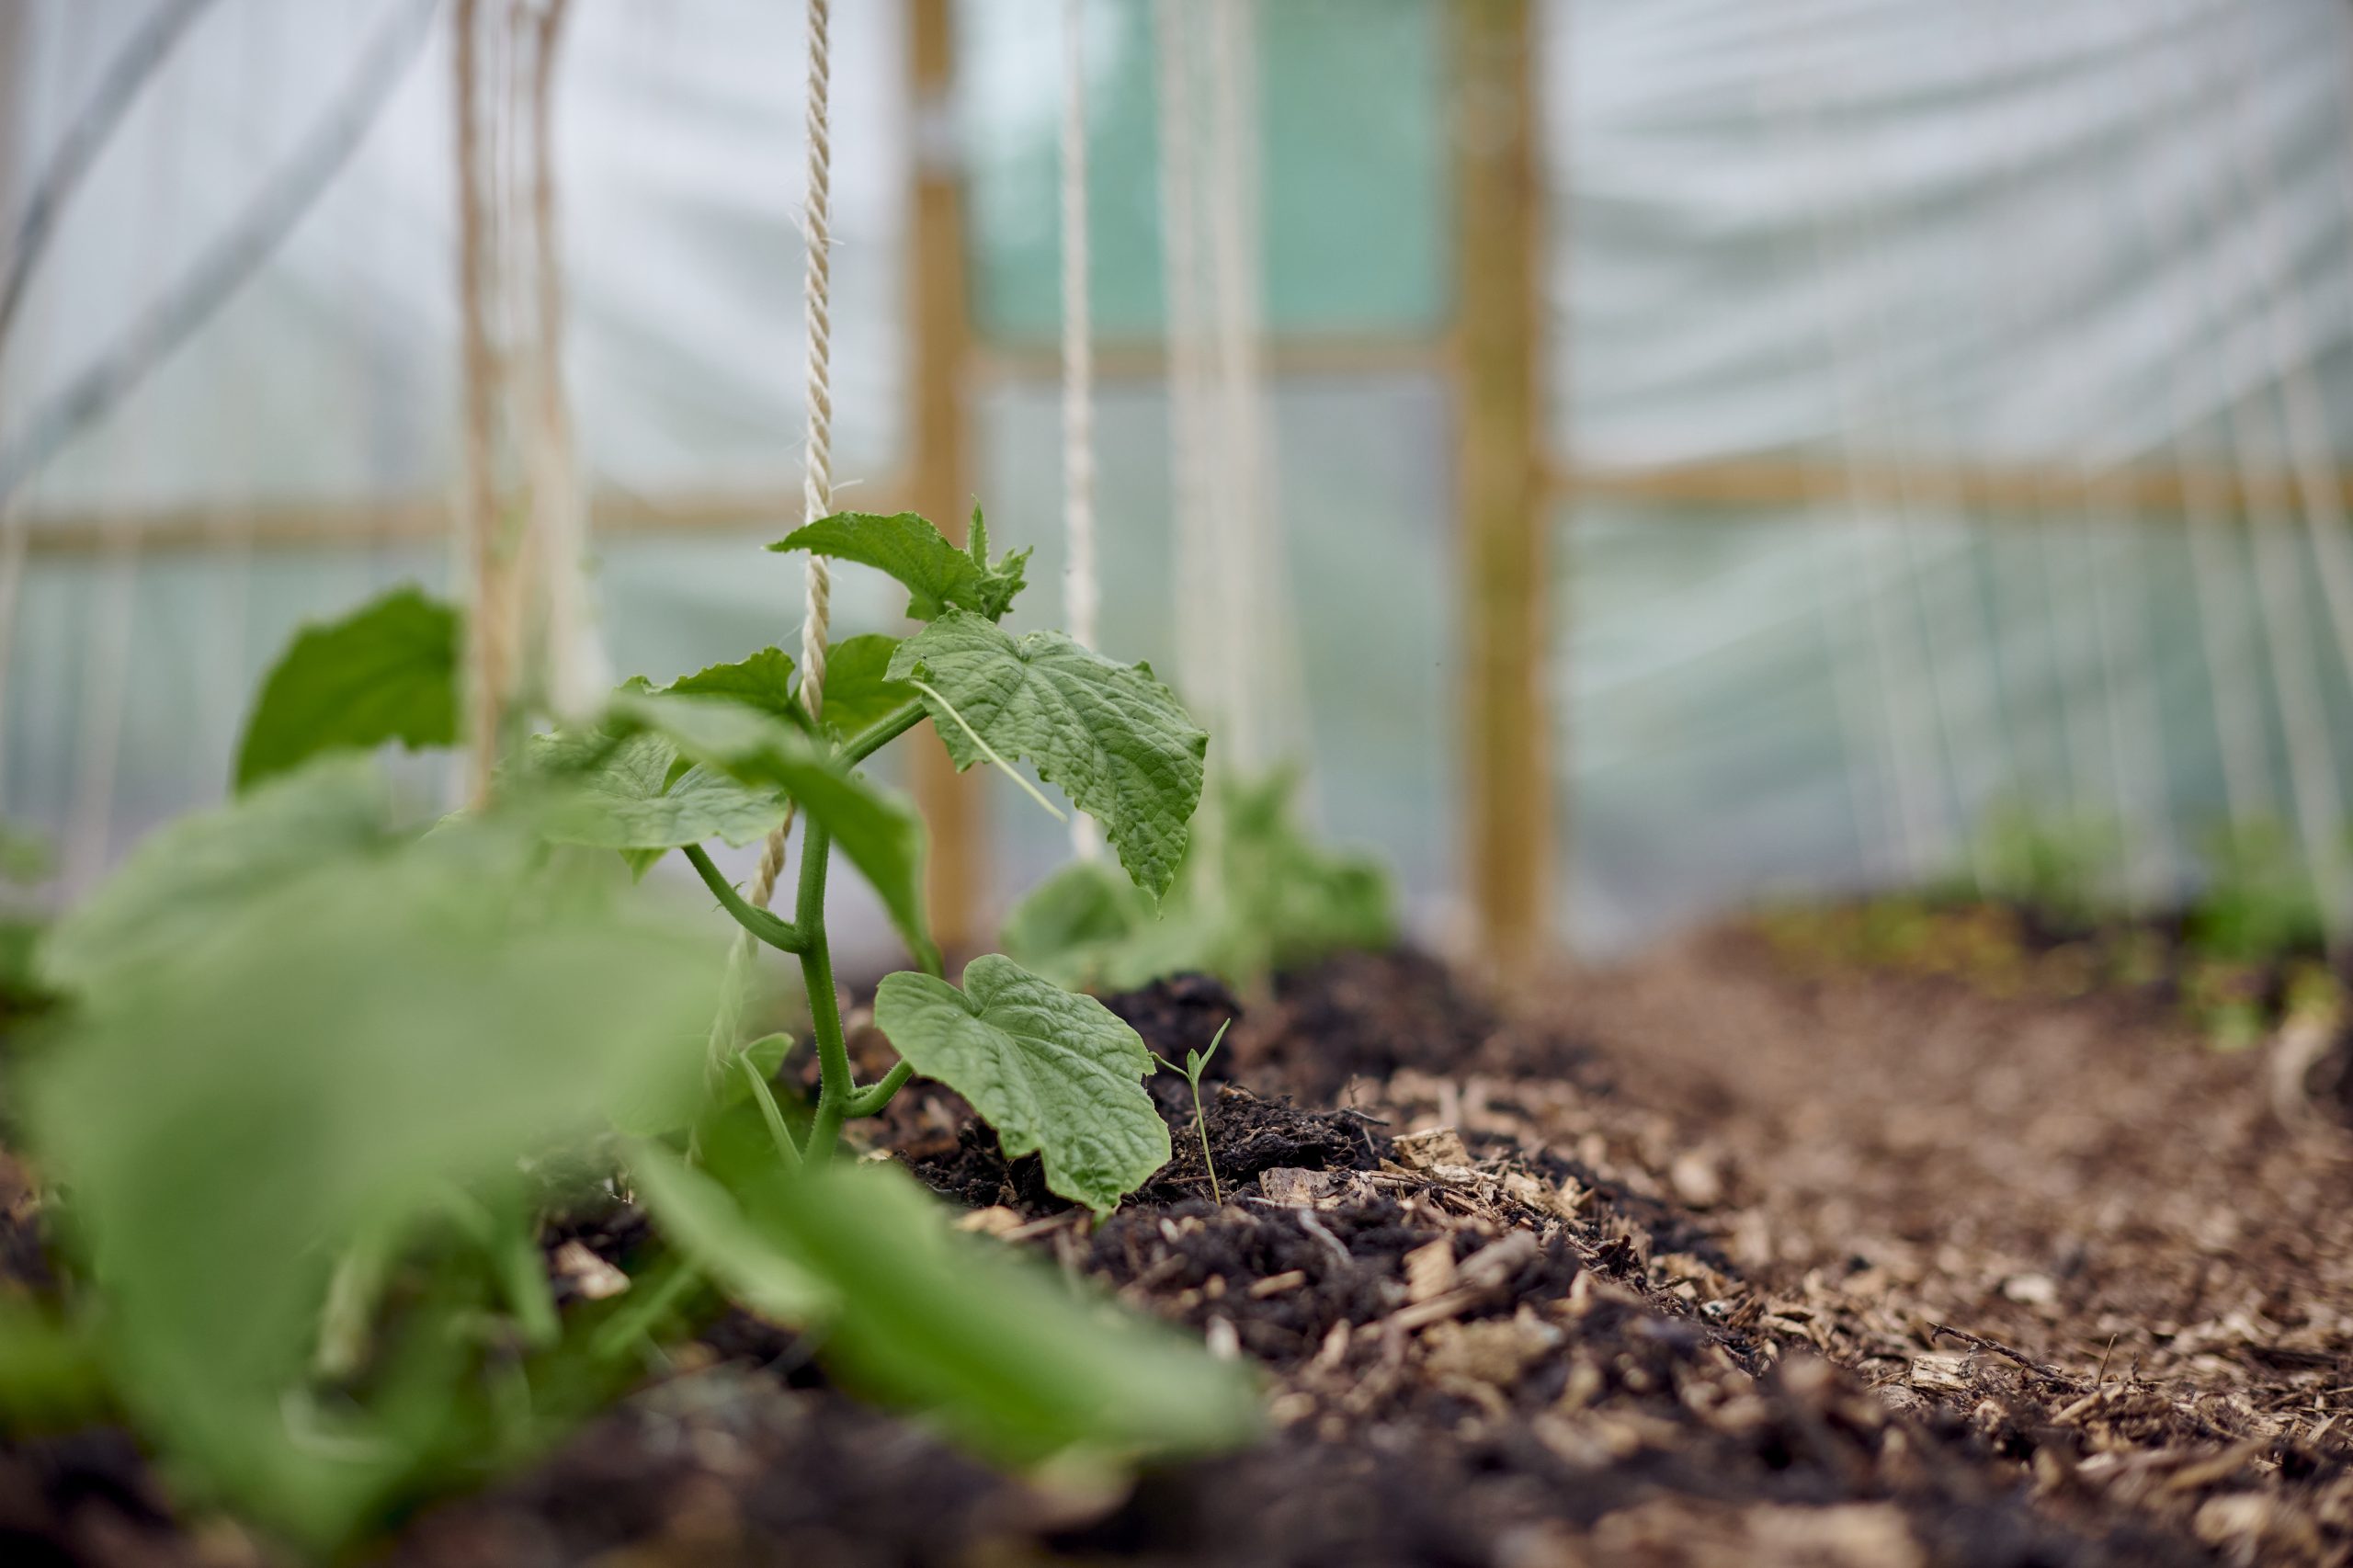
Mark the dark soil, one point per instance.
(1699, 1262)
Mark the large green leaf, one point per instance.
(174, 897)
(763, 681)
(858, 688)
(365, 1038)
(387, 672)
(879, 831)
(1110, 734)
(1009, 1358)
(632, 793)
(1052, 1071)
(937, 574)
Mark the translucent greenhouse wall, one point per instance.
(1926, 241)
(1922, 239)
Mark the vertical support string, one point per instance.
(817, 477)
(573, 672)
(1082, 592)
(490, 652)
(817, 463)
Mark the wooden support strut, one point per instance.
(952, 805)
(1505, 562)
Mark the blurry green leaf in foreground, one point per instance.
(701, 1218)
(386, 672)
(369, 1032)
(170, 900)
(1010, 1358)
(1280, 899)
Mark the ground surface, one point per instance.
(1721, 1263)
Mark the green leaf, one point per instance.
(361, 1039)
(387, 672)
(50, 1377)
(170, 900)
(858, 688)
(903, 544)
(763, 681)
(766, 1055)
(630, 794)
(1288, 900)
(700, 1216)
(1110, 734)
(879, 831)
(1010, 1358)
(1053, 1072)
(1279, 900)
(1088, 925)
(937, 574)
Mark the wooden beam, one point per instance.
(348, 525)
(1335, 354)
(1507, 565)
(2017, 491)
(2009, 495)
(953, 806)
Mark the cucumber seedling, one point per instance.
(1196, 1062)
(306, 1241)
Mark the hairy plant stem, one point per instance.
(838, 1095)
(835, 1084)
(768, 928)
(869, 1101)
(884, 731)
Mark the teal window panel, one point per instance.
(1351, 106)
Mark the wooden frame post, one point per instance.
(953, 806)
(1503, 496)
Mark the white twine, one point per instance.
(490, 620)
(817, 465)
(1238, 662)
(1082, 593)
(574, 660)
(816, 480)
(1188, 372)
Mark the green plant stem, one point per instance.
(838, 1095)
(1202, 1126)
(884, 731)
(869, 1101)
(768, 928)
(771, 1112)
(835, 1081)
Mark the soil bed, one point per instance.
(1701, 1261)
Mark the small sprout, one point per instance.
(1197, 1062)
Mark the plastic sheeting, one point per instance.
(2055, 237)
(2064, 235)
